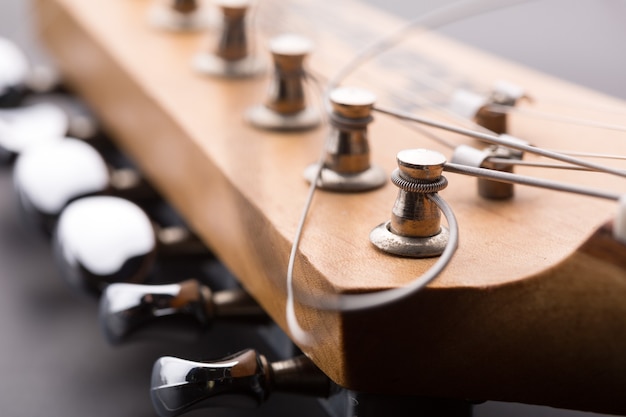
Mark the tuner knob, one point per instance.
(80, 121)
(179, 15)
(22, 128)
(493, 157)
(48, 177)
(126, 308)
(285, 108)
(415, 227)
(346, 166)
(244, 379)
(231, 57)
(478, 107)
(14, 74)
(103, 239)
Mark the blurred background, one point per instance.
(53, 359)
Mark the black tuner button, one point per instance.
(101, 240)
(50, 176)
(245, 379)
(127, 308)
(14, 74)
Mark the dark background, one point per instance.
(54, 361)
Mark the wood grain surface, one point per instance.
(518, 315)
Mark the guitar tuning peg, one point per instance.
(231, 58)
(493, 157)
(14, 74)
(179, 15)
(346, 166)
(243, 379)
(479, 108)
(286, 108)
(48, 177)
(22, 128)
(127, 308)
(103, 239)
(80, 121)
(415, 227)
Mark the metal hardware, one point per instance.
(127, 308)
(285, 108)
(478, 107)
(179, 15)
(14, 74)
(415, 227)
(25, 127)
(490, 189)
(346, 166)
(51, 175)
(102, 240)
(231, 57)
(243, 379)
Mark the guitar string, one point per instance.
(499, 140)
(500, 108)
(344, 302)
(443, 88)
(362, 301)
(451, 145)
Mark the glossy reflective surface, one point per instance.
(48, 177)
(99, 240)
(14, 69)
(125, 308)
(24, 127)
(179, 385)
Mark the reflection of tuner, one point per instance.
(126, 309)
(50, 176)
(243, 379)
(101, 240)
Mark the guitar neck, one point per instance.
(519, 315)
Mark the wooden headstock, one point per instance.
(531, 308)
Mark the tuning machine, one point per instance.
(103, 239)
(231, 57)
(48, 177)
(179, 15)
(346, 166)
(286, 108)
(415, 227)
(126, 309)
(480, 108)
(22, 128)
(14, 74)
(244, 379)
(487, 112)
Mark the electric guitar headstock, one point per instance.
(530, 307)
